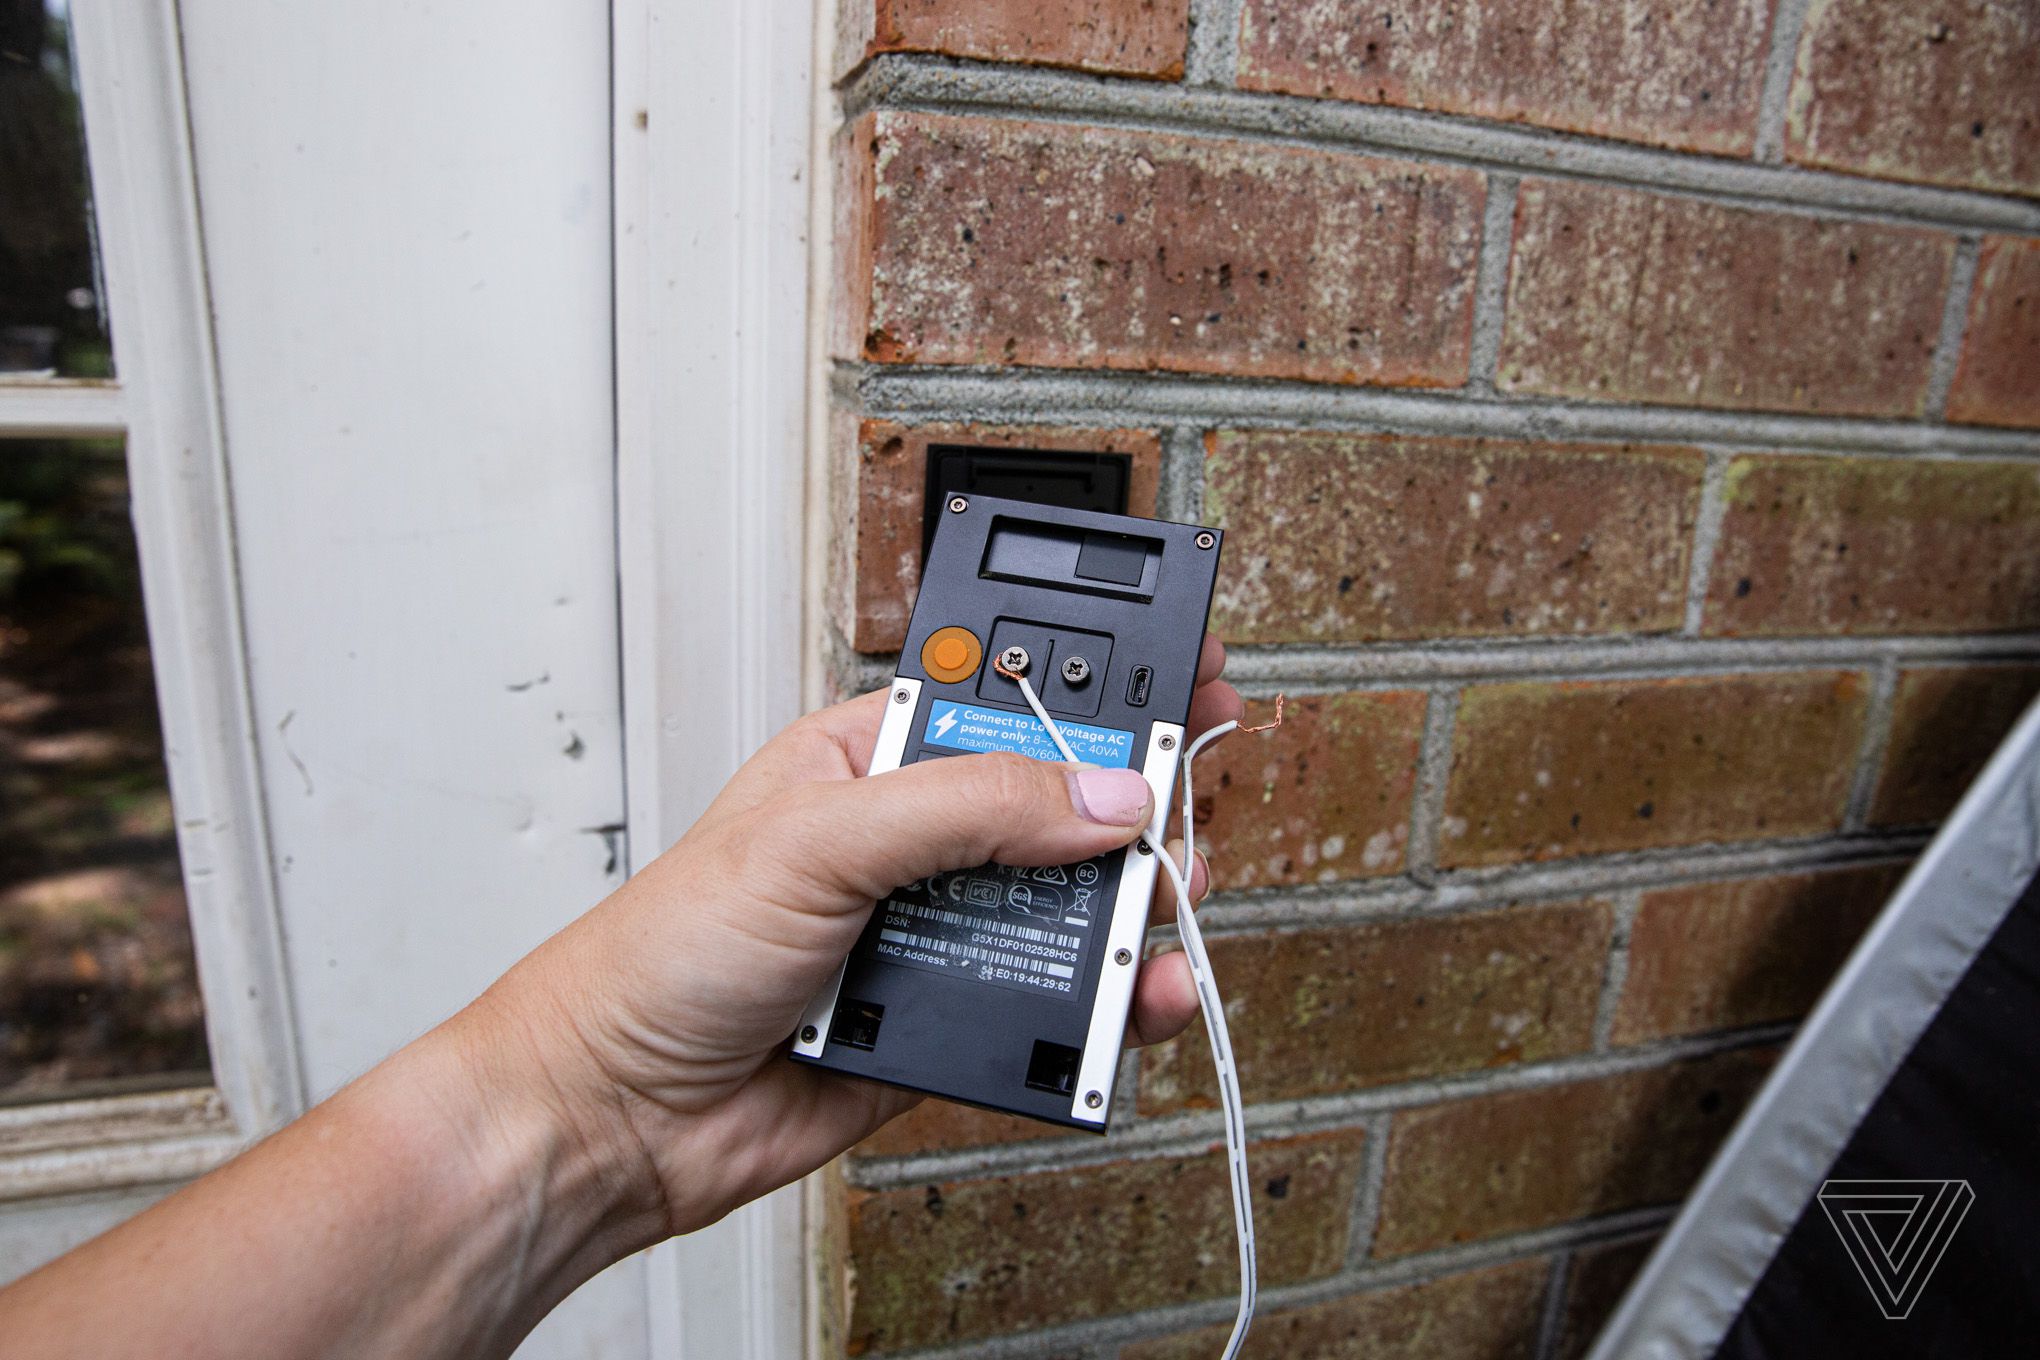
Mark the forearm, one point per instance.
(437, 1207)
(624, 1082)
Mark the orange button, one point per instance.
(951, 654)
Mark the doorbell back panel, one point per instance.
(1001, 986)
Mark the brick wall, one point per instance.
(1626, 419)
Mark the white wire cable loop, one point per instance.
(1207, 1000)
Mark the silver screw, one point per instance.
(1204, 540)
(1093, 1099)
(1015, 659)
(1123, 957)
(1167, 743)
(957, 505)
(900, 696)
(808, 1034)
(1076, 670)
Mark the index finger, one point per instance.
(1210, 659)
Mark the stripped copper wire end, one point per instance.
(1269, 726)
(999, 665)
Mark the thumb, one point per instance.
(867, 836)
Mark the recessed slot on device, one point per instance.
(1065, 557)
(857, 1023)
(1053, 1068)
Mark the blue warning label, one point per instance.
(965, 727)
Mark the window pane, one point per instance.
(52, 317)
(97, 982)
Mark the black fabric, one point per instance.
(1965, 1105)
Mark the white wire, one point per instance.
(1208, 1001)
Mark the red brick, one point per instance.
(995, 242)
(1343, 1007)
(942, 1264)
(1542, 770)
(1354, 538)
(1714, 956)
(1684, 75)
(1324, 797)
(1936, 91)
(1620, 295)
(934, 1125)
(1487, 1314)
(878, 551)
(1497, 1164)
(1875, 545)
(1597, 1279)
(1120, 37)
(1945, 723)
(1997, 381)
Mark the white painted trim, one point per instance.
(98, 1142)
(59, 408)
(131, 67)
(712, 134)
(164, 1159)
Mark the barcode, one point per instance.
(951, 918)
(967, 951)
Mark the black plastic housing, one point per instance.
(1131, 596)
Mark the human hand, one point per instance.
(657, 1022)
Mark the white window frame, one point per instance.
(164, 401)
(719, 428)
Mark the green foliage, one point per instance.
(63, 521)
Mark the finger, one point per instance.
(864, 837)
(1164, 1000)
(1210, 659)
(1162, 911)
(853, 726)
(1213, 704)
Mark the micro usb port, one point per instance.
(1138, 684)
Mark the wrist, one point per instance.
(543, 1139)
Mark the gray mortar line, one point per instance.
(1416, 1268)
(1706, 537)
(1071, 397)
(1617, 971)
(1199, 1133)
(1466, 890)
(1551, 1317)
(1214, 56)
(858, 673)
(1261, 671)
(1181, 497)
(1295, 687)
(1870, 754)
(1954, 322)
(1427, 799)
(1365, 1215)
(1127, 1090)
(943, 85)
(1774, 104)
(1497, 239)
(1412, 664)
(845, 384)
